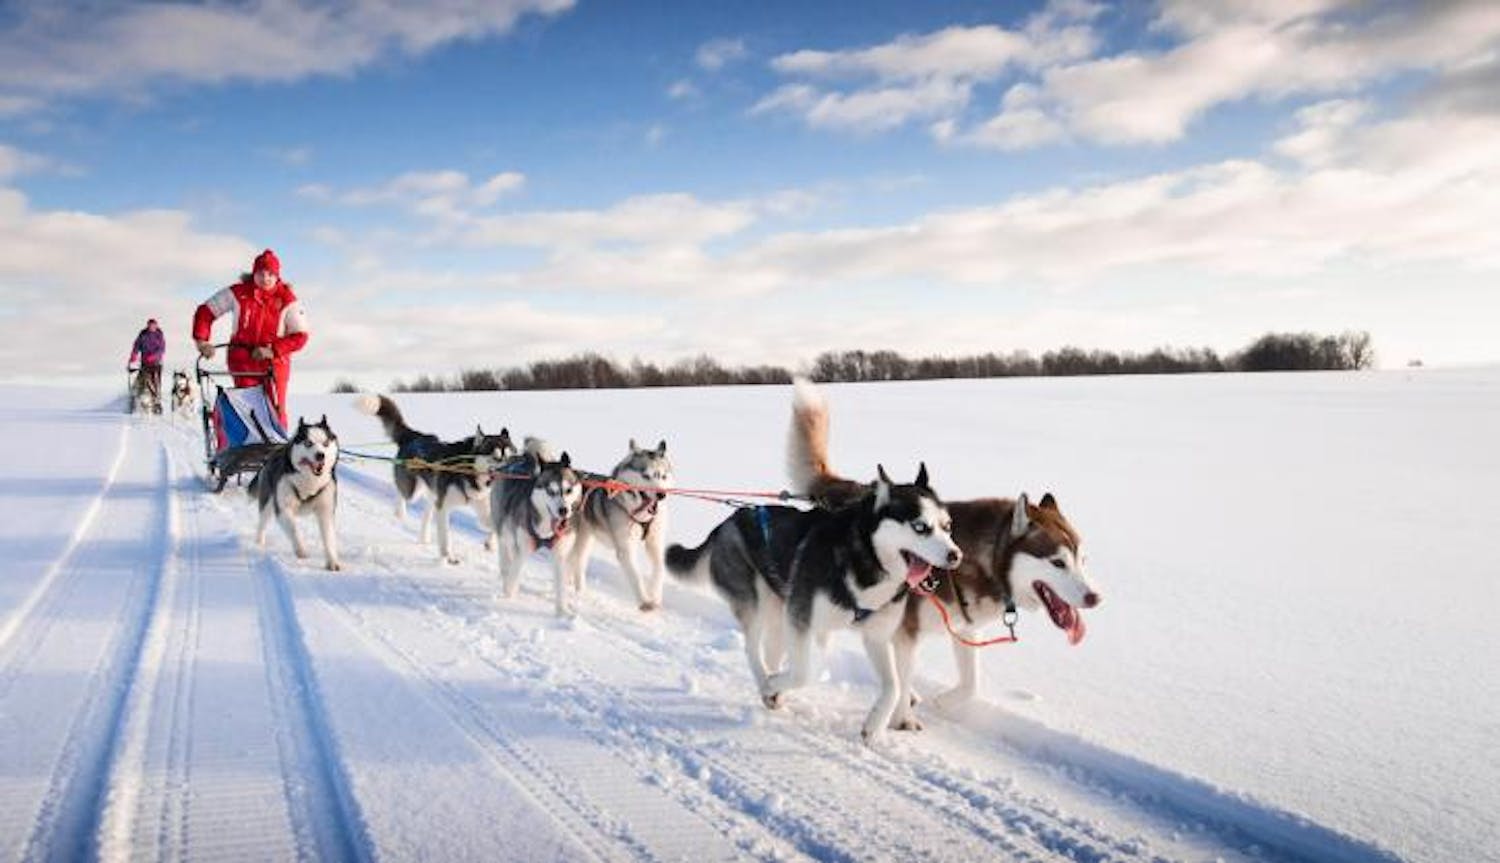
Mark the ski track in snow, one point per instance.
(228, 710)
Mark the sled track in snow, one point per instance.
(325, 814)
(67, 825)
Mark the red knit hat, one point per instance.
(267, 261)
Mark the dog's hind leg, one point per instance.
(625, 554)
(883, 659)
(578, 562)
(775, 638)
(406, 487)
(481, 506)
(798, 671)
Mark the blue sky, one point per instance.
(482, 184)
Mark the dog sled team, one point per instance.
(864, 557)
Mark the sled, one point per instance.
(241, 425)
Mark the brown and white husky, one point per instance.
(1016, 554)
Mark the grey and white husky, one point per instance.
(627, 518)
(1016, 554)
(533, 507)
(795, 575)
(300, 478)
(462, 480)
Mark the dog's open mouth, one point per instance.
(917, 569)
(1065, 616)
(316, 467)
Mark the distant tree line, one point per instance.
(1271, 352)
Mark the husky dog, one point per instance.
(819, 570)
(1015, 554)
(465, 481)
(627, 518)
(144, 398)
(533, 507)
(299, 477)
(182, 393)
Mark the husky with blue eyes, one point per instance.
(792, 577)
(626, 518)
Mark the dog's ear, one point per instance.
(661, 447)
(922, 476)
(324, 421)
(1048, 502)
(882, 487)
(1020, 522)
(565, 461)
(633, 447)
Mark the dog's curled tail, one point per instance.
(689, 564)
(389, 415)
(807, 438)
(539, 449)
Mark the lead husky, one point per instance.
(532, 508)
(627, 518)
(1006, 543)
(464, 482)
(300, 477)
(818, 570)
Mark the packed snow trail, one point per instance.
(169, 691)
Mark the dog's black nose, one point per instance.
(320, 456)
(1090, 599)
(954, 557)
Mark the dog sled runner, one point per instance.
(241, 425)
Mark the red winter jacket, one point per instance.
(273, 317)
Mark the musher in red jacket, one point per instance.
(269, 326)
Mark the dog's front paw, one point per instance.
(870, 737)
(772, 699)
(334, 566)
(650, 605)
(302, 554)
(452, 559)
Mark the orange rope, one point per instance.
(948, 622)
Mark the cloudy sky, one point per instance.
(480, 183)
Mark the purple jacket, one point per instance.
(150, 347)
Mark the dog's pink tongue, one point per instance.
(916, 571)
(1076, 629)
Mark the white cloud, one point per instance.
(78, 47)
(682, 89)
(924, 76)
(444, 194)
(296, 157)
(1237, 49)
(715, 54)
(14, 162)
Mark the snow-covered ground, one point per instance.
(1293, 659)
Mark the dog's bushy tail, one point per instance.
(807, 439)
(389, 415)
(689, 564)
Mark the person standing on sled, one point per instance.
(269, 326)
(151, 346)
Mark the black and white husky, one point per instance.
(462, 480)
(817, 571)
(300, 478)
(627, 518)
(1017, 555)
(182, 394)
(533, 504)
